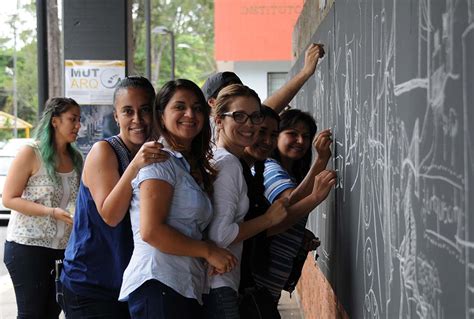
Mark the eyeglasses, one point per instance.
(241, 117)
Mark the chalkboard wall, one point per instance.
(397, 89)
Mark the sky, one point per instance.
(8, 8)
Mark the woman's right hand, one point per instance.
(150, 152)
(220, 259)
(311, 57)
(277, 212)
(322, 144)
(61, 214)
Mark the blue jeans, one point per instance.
(221, 303)
(154, 299)
(81, 307)
(31, 269)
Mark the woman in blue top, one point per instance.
(170, 209)
(101, 241)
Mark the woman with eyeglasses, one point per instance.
(238, 117)
(41, 189)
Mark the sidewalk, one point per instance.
(289, 308)
(7, 298)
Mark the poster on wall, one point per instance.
(92, 83)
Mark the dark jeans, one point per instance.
(222, 303)
(258, 302)
(31, 269)
(155, 300)
(80, 307)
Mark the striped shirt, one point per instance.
(284, 246)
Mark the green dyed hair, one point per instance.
(44, 135)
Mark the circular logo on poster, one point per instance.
(110, 78)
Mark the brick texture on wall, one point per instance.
(317, 299)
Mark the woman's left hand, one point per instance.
(220, 259)
(323, 184)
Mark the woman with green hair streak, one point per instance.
(40, 189)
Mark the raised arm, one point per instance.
(155, 202)
(111, 192)
(322, 144)
(22, 168)
(322, 185)
(283, 96)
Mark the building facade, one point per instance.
(253, 39)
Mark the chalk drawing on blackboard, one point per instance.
(404, 152)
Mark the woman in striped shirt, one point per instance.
(289, 173)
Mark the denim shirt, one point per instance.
(190, 213)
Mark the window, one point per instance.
(275, 80)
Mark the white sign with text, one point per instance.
(92, 82)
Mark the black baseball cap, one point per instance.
(217, 81)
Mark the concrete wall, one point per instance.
(311, 16)
(254, 73)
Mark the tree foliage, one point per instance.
(191, 21)
(193, 25)
(26, 68)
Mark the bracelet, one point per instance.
(52, 213)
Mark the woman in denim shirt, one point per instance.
(170, 209)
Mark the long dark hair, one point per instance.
(44, 134)
(288, 120)
(201, 151)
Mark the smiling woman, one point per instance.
(290, 174)
(41, 184)
(101, 241)
(170, 210)
(238, 116)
